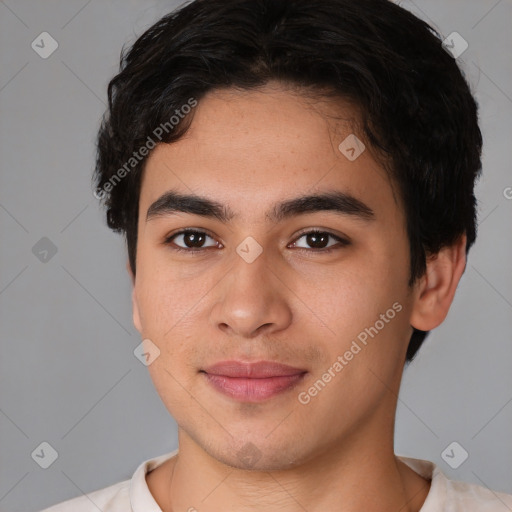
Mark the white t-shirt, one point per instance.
(444, 496)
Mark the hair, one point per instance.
(415, 105)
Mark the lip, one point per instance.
(254, 370)
(252, 382)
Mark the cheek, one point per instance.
(170, 304)
(164, 295)
(362, 309)
(354, 295)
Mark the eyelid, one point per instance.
(327, 231)
(342, 240)
(168, 239)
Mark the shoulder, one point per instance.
(454, 496)
(115, 498)
(125, 496)
(465, 496)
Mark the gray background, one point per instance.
(68, 375)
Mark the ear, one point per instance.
(135, 305)
(435, 290)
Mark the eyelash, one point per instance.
(341, 241)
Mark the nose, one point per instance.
(252, 300)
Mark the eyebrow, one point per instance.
(339, 202)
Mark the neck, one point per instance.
(355, 475)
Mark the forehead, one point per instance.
(249, 148)
(271, 120)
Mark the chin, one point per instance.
(255, 456)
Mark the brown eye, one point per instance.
(317, 240)
(190, 239)
(321, 240)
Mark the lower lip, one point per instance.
(253, 390)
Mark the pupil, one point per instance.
(195, 239)
(318, 240)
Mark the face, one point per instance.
(245, 274)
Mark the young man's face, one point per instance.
(340, 319)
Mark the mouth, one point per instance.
(252, 382)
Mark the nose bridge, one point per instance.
(250, 282)
(249, 261)
(252, 296)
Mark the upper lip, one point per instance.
(255, 370)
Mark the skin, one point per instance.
(294, 304)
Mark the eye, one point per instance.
(319, 240)
(192, 240)
(189, 240)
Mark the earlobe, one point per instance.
(435, 290)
